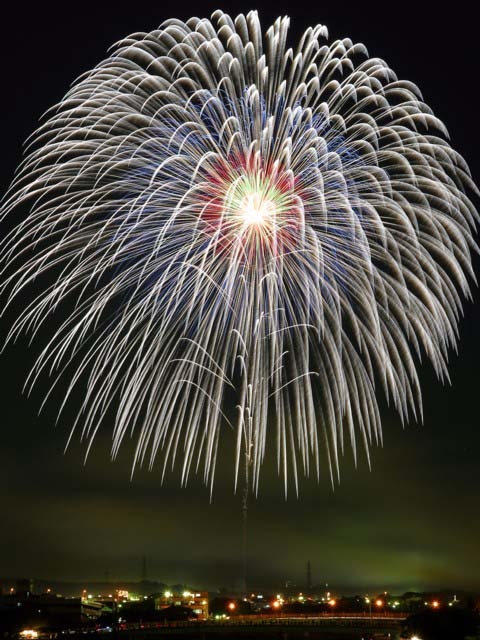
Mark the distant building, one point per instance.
(37, 611)
(195, 600)
(24, 587)
(72, 609)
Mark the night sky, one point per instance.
(413, 522)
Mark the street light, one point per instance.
(369, 602)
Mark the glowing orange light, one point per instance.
(276, 604)
(231, 606)
(435, 604)
(379, 603)
(332, 602)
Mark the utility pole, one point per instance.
(143, 576)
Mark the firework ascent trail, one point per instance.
(226, 217)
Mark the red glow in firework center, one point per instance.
(248, 205)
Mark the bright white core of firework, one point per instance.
(256, 210)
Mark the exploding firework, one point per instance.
(225, 217)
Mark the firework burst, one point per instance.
(222, 212)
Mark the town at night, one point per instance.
(146, 608)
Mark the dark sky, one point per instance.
(411, 523)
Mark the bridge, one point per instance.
(282, 627)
